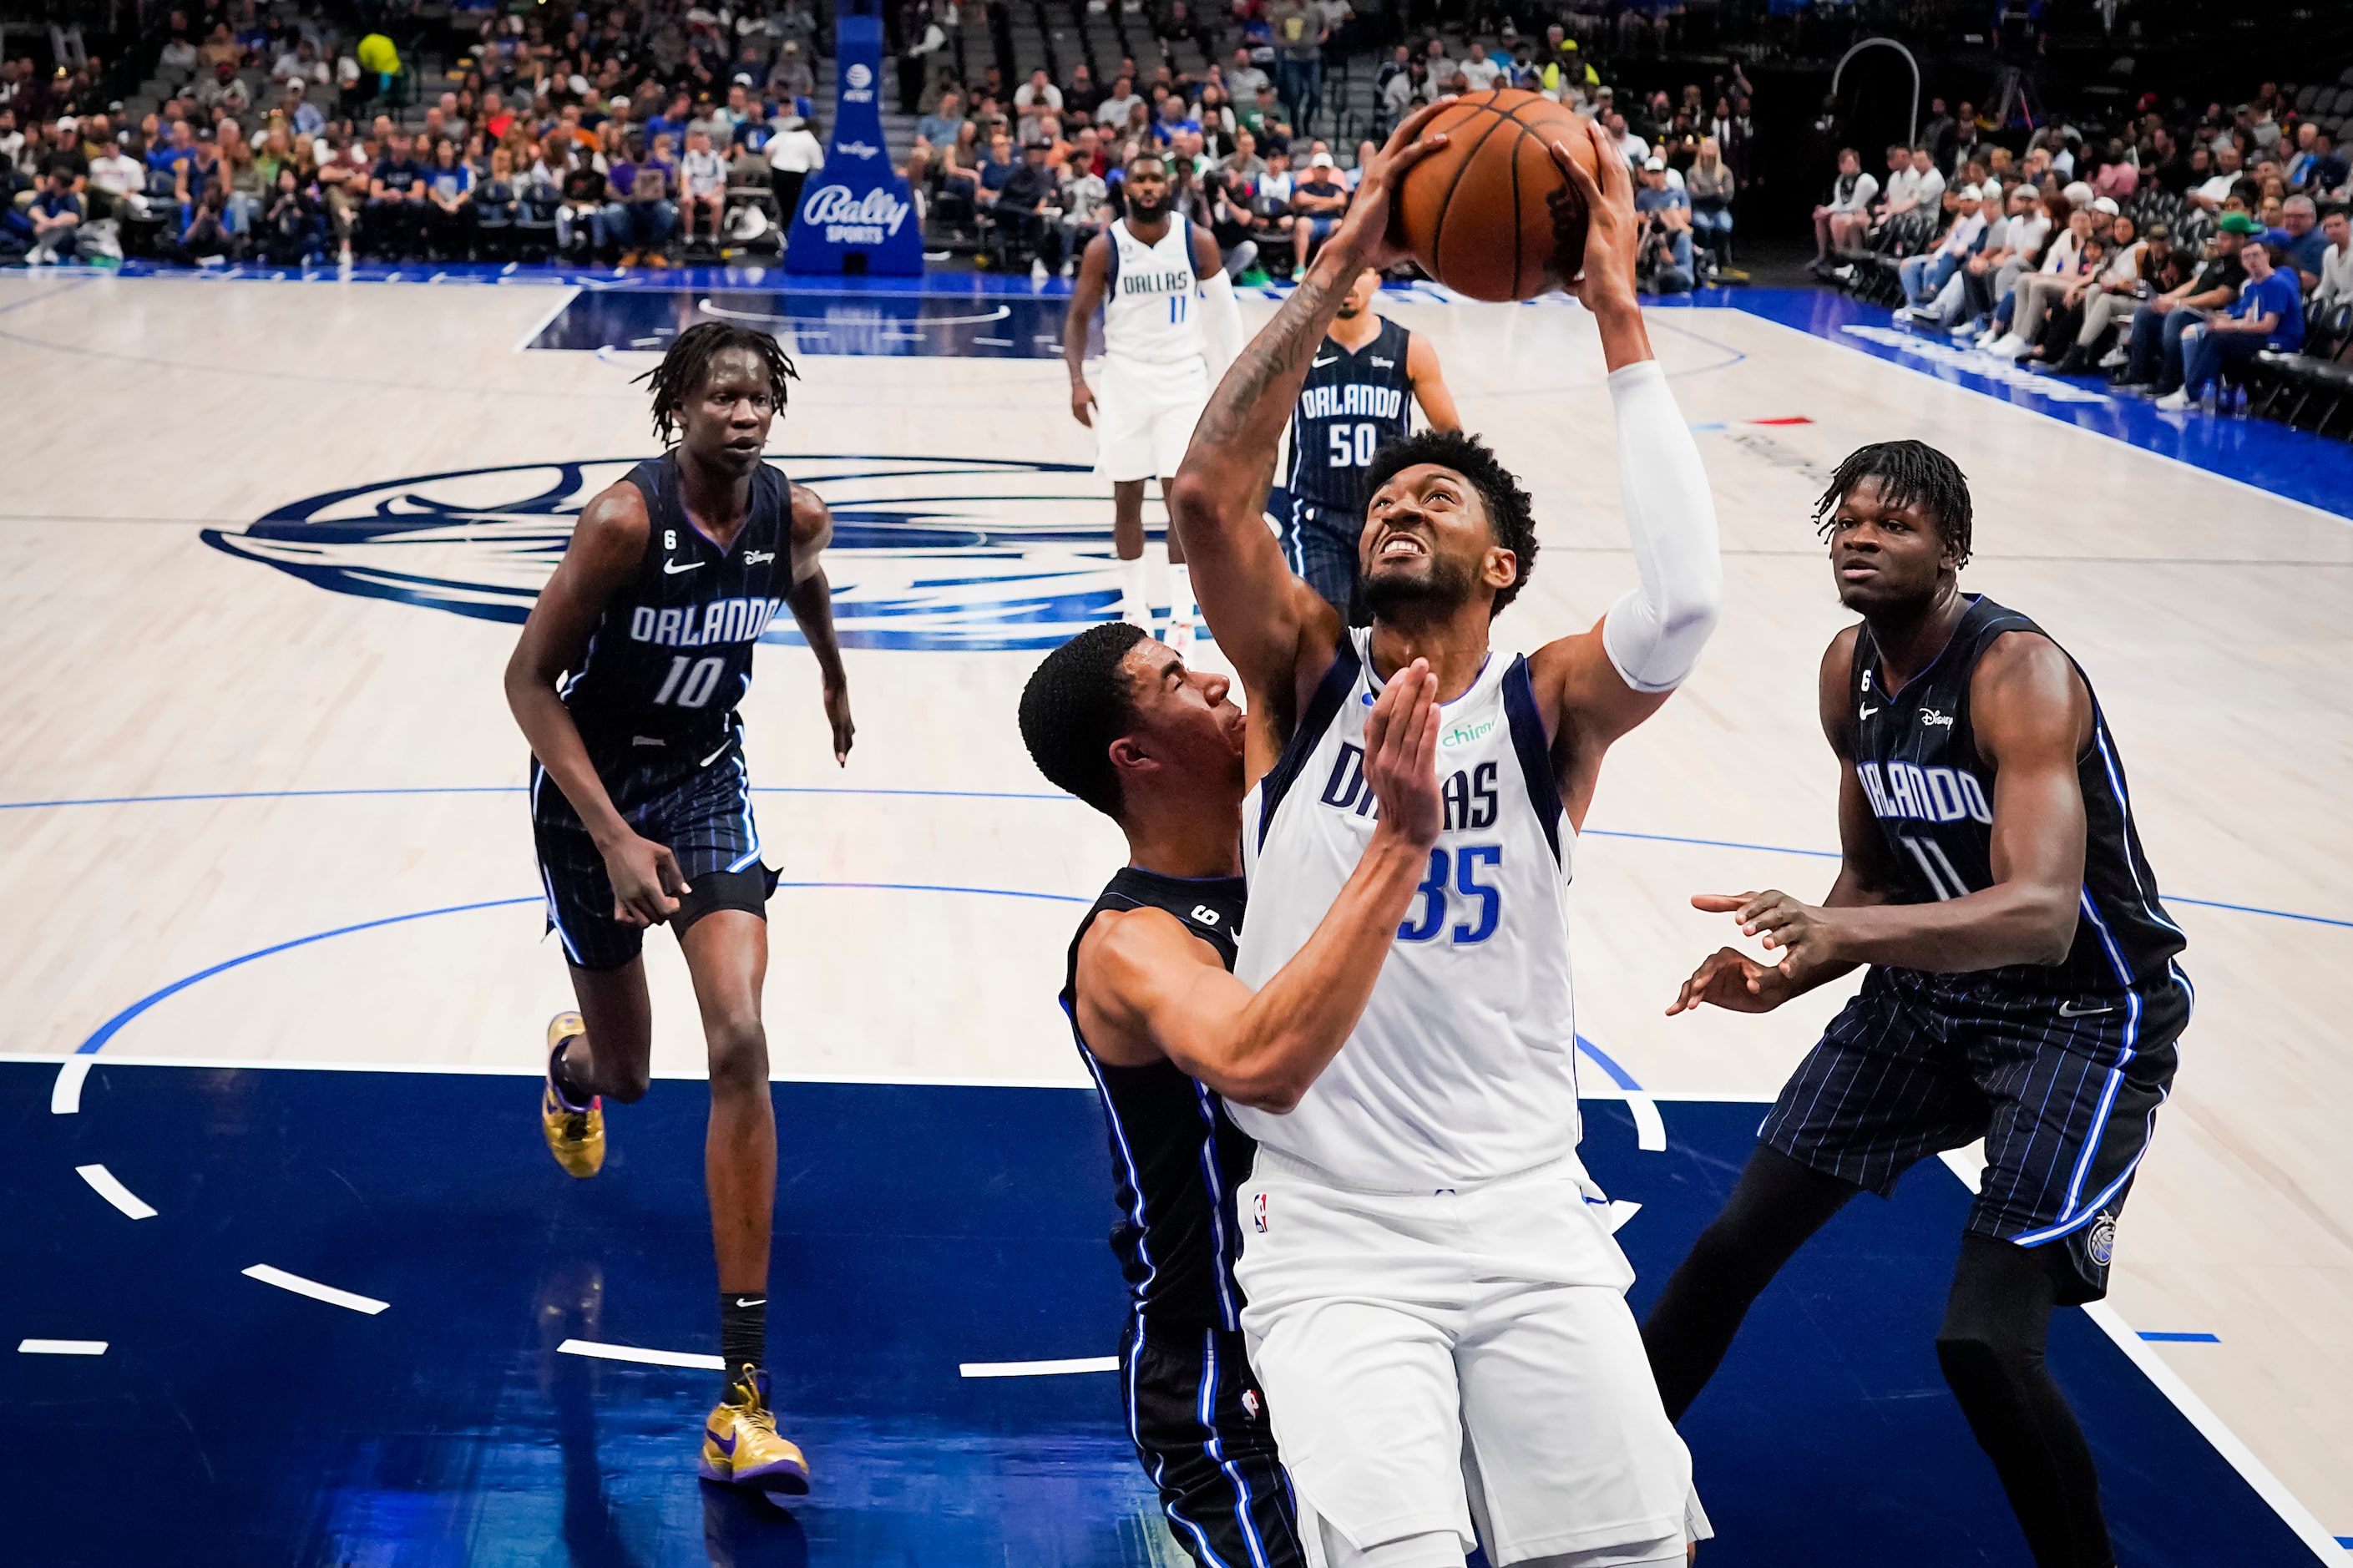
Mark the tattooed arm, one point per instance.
(1278, 633)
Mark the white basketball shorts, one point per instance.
(1427, 1355)
(1145, 416)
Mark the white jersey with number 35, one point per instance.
(1152, 312)
(1463, 1066)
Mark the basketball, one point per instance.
(1478, 212)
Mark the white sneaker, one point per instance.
(1038, 273)
(2175, 402)
(2115, 358)
(1070, 268)
(2009, 345)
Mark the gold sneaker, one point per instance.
(739, 1443)
(576, 1136)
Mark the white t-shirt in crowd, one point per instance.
(1854, 201)
(702, 173)
(1481, 74)
(116, 175)
(1029, 96)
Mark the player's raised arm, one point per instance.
(1145, 981)
(1613, 676)
(607, 547)
(1277, 631)
(811, 600)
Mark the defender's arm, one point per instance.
(1429, 388)
(1148, 988)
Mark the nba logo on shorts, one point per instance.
(2099, 1246)
(1258, 1211)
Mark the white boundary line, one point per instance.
(312, 1288)
(65, 1095)
(2040, 414)
(643, 1357)
(1649, 1130)
(1968, 1164)
(568, 293)
(1039, 1368)
(107, 1185)
(60, 1347)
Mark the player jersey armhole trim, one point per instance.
(1536, 757)
(1111, 270)
(1323, 708)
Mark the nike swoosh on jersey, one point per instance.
(1320, 363)
(1867, 712)
(2067, 1010)
(671, 568)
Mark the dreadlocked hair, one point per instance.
(1908, 471)
(681, 370)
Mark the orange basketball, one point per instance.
(1478, 214)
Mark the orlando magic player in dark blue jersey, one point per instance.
(1166, 1030)
(625, 682)
(2022, 984)
(1354, 398)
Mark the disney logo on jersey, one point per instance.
(927, 552)
(1931, 717)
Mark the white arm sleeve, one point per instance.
(1653, 635)
(1221, 325)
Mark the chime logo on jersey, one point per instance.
(927, 552)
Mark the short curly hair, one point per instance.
(1509, 511)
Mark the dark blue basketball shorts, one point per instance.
(704, 814)
(1319, 544)
(2063, 1089)
(1200, 1427)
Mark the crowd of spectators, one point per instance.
(2166, 253)
(584, 135)
(1034, 171)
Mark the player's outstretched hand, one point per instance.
(836, 714)
(645, 881)
(1613, 231)
(1728, 978)
(1369, 234)
(1803, 934)
(1401, 755)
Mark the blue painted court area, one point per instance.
(919, 1228)
(822, 318)
(2260, 453)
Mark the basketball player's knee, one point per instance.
(628, 1085)
(739, 1055)
(1984, 1365)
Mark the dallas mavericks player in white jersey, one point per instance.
(1436, 1307)
(1170, 328)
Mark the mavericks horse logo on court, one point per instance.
(928, 552)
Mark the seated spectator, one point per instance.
(2115, 265)
(702, 187)
(1663, 264)
(1117, 109)
(1024, 213)
(2267, 315)
(2065, 261)
(1923, 276)
(2336, 263)
(1840, 222)
(1710, 186)
(641, 216)
(56, 215)
(205, 238)
(2299, 220)
(2330, 173)
(792, 79)
(996, 169)
(1919, 186)
(1085, 202)
(118, 184)
(294, 226)
(939, 127)
(580, 233)
(449, 203)
(396, 203)
(1318, 199)
(2157, 269)
(1477, 69)
(1036, 96)
(2210, 195)
(2155, 356)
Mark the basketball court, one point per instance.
(294, 1276)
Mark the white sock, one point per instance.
(1136, 592)
(1180, 594)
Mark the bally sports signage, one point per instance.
(856, 214)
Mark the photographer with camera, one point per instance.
(1663, 264)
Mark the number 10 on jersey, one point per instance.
(1452, 877)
